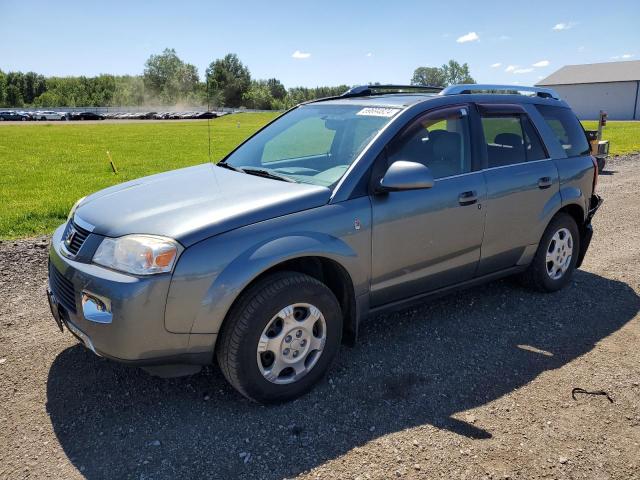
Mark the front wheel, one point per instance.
(280, 337)
(556, 257)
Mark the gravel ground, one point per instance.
(474, 385)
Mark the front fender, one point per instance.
(210, 275)
(258, 259)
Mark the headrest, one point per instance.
(509, 139)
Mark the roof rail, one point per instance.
(368, 90)
(490, 88)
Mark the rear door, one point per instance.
(423, 240)
(522, 182)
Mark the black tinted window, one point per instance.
(504, 137)
(533, 145)
(567, 129)
(511, 139)
(439, 140)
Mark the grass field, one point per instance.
(624, 136)
(44, 168)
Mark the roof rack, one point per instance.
(504, 89)
(368, 90)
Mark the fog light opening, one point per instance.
(96, 308)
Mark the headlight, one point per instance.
(138, 254)
(74, 208)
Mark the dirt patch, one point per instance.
(474, 385)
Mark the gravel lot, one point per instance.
(474, 385)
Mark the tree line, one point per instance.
(168, 80)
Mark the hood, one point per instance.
(195, 203)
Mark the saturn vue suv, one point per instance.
(268, 260)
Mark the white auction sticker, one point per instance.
(379, 111)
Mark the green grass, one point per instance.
(44, 169)
(624, 137)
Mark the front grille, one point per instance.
(77, 239)
(62, 289)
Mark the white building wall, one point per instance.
(618, 99)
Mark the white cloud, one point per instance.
(300, 55)
(541, 63)
(523, 70)
(469, 37)
(511, 68)
(496, 65)
(581, 48)
(623, 56)
(563, 26)
(369, 54)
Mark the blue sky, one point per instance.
(311, 43)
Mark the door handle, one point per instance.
(544, 182)
(468, 198)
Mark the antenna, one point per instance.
(208, 119)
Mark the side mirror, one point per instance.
(403, 175)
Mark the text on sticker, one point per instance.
(378, 111)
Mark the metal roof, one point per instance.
(594, 73)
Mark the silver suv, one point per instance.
(337, 209)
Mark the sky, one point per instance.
(311, 43)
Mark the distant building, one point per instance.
(612, 87)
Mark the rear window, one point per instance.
(567, 129)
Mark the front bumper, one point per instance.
(134, 332)
(587, 230)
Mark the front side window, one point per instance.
(511, 139)
(567, 129)
(314, 143)
(439, 140)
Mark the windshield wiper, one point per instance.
(259, 172)
(229, 167)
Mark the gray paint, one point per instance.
(235, 227)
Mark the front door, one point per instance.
(427, 239)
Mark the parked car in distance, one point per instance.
(85, 116)
(11, 115)
(338, 209)
(50, 115)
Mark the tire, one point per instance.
(258, 315)
(547, 276)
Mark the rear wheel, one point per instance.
(280, 337)
(556, 257)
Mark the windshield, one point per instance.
(314, 143)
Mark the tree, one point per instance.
(432, 76)
(276, 88)
(449, 74)
(455, 73)
(169, 78)
(14, 96)
(229, 77)
(3, 88)
(258, 96)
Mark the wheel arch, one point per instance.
(328, 271)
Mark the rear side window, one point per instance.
(511, 139)
(567, 129)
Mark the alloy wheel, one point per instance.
(559, 253)
(291, 344)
